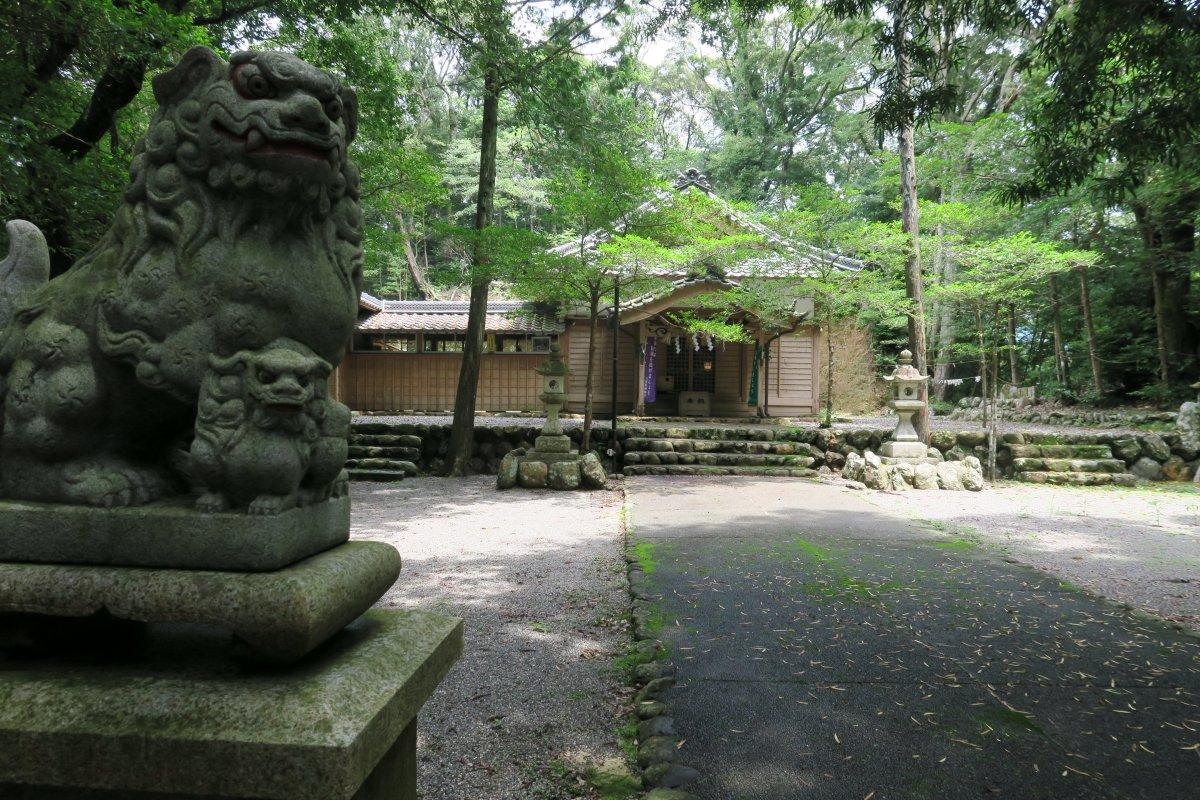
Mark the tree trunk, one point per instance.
(415, 270)
(1061, 368)
(1158, 281)
(1014, 375)
(909, 217)
(589, 384)
(946, 329)
(1169, 244)
(1085, 303)
(983, 368)
(115, 90)
(462, 432)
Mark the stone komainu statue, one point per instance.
(267, 434)
(240, 228)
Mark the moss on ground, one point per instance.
(643, 554)
(955, 544)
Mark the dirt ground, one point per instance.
(539, 579)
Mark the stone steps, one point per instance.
(688, 445)
(692, 469)
(377, 475)
(1078, 478)
(1061, 451)
(1069, 465)
(1112, 465)
(757, 434)
(718, 460)
(395, 453)
(385, 439)
(381, 464)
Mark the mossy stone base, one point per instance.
(902, 449)
(171, 535)
(547, 443)
(183, 721)
(279, 615)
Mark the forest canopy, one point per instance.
(1033, 166)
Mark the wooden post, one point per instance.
(616, 336)
(639, 406)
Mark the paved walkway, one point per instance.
(830, 648)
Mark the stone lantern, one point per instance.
(551, 463)
(906, 384)
(554, 394)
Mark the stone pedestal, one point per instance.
(278, 615)
(177, 719)
(170, 534)
(915, 450)
(550, 443)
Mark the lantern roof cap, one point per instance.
(554, 364)
(905, 371)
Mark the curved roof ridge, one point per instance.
(687, 182)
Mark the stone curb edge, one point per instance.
(657, 741)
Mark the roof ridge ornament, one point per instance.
(692, 177)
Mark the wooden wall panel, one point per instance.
(730, 357)
(627, 367)
(391, 382)
(384, 382)
(793, 383)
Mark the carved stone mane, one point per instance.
(194, 182)
(240, 226)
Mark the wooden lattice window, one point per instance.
(704, 369)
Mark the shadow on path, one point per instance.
(827, 649)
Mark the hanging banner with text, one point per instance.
(651, 393)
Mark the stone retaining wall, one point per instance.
(1021, 410)
(432, 442)
(1152, 456)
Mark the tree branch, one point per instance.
(226, 14)
(118, 86)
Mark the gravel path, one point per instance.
(539, 578)
(1137, 546)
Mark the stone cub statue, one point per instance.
(268, 436)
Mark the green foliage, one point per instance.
(1083, 121)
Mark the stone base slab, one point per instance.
(171, 535)
(187, 723)
(894, 449)
(279, 616)
(550, 458)
(552, 444)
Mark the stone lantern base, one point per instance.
(907, 450)
(548, 443)
(541, 469)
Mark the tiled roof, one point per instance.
(450, 316)
(645, 299)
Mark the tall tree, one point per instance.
(508, 58)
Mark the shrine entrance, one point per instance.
(690, 369)
(687, 379)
